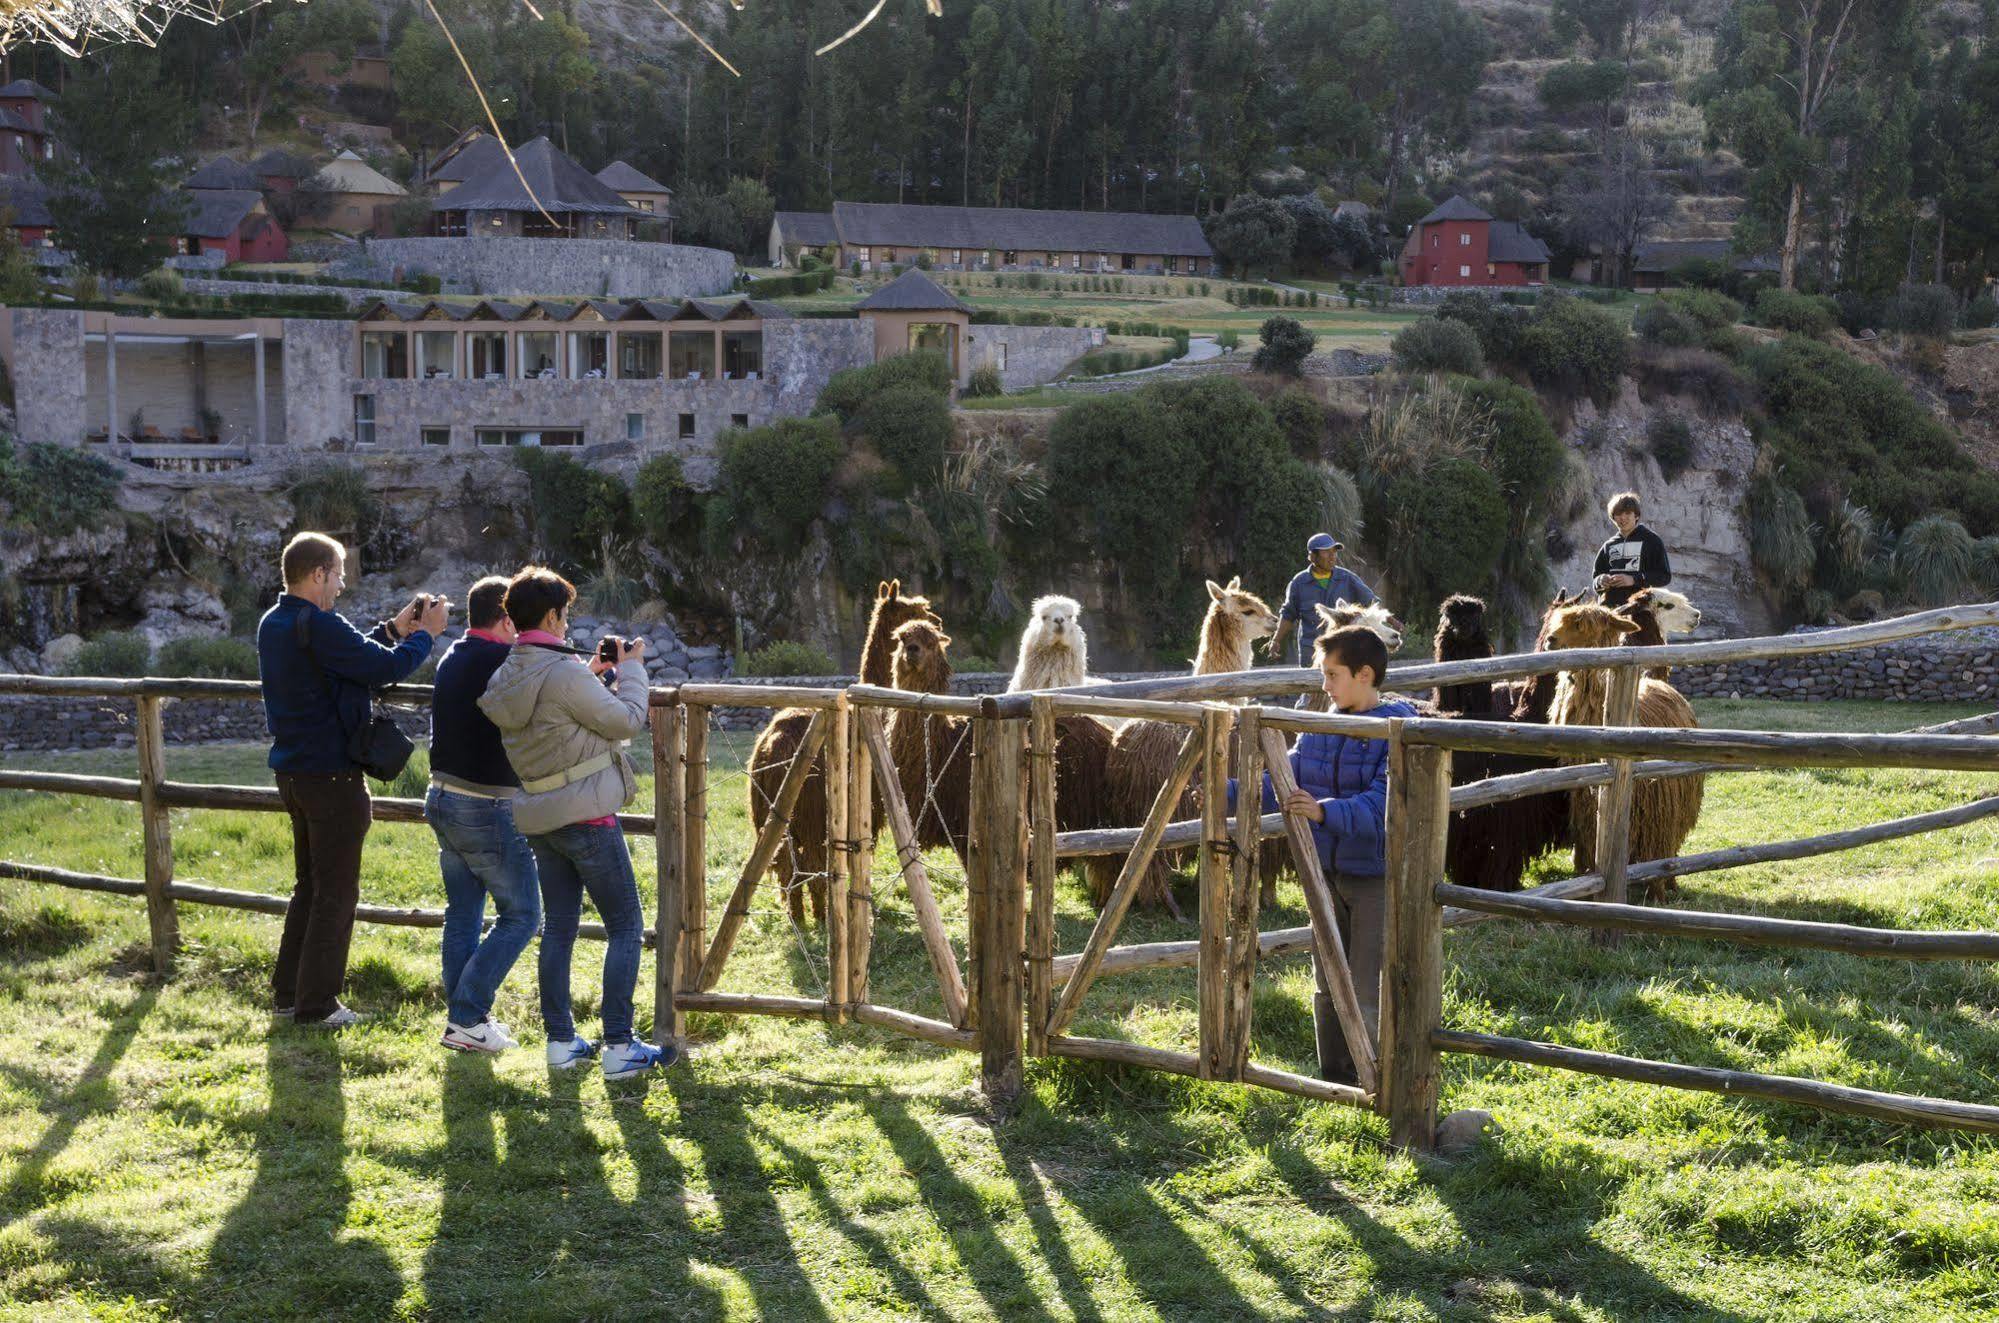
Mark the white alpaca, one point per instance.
(1374, 618)
(1054, 652)
(1676, 615)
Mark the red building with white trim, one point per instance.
(1458, 244)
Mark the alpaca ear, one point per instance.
(1326, 616)
(1343, 605)
(1235, 584)
(1215, 590)
(1624, 624)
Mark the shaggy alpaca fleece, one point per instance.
(1376, 618)
(1461, 636)
(1143, 753)
(933, 753)
(1659, 613)
(1663, 811)
(1054, 653)
(803, 852)
(1490, 847)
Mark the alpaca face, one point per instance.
(1244, 609)
(1371, 618)
(1465, 616)
(1587, 627)
(921, 660)
(1056, 619)
(1675, 614)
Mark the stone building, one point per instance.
(355, 195)
(881, 235)
(654, 376)
(540, 194)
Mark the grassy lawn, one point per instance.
(165, 1152)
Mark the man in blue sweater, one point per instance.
(470, 808)
(316, 674)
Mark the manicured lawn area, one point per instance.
(165, 1152)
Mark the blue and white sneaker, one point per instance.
(565, 1056)
(624, 1060)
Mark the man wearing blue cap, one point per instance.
(1323, 582)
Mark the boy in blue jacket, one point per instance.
(1343, 793)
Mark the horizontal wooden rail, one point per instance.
(1134, 709)
(1753, 929)
(1738, 1083)
(723, 694)
(871, 695)
(1181, 955)
(1280, 681)
(1187, 1063)
(245, 691)
(257, 902)
(1756, 748)
(1588, 884)
(65, 783)
(1805, 847)
(755, 1003)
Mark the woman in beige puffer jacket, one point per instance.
(565, 733)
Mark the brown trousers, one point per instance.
(330, 818)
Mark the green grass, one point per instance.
(164, 1152)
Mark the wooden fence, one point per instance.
(1017, 996)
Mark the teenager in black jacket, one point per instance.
(1634, 559)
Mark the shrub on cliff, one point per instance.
(53, 490)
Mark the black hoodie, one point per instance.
(1642, 555)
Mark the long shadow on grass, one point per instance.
(537, 1228)
(283, 1251)
(754, 1238)
(90, 1094)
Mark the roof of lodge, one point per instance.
(348, 173)
(554, 183)
(27, 87)
(224, 172)
(1507, 241)
(1018, 229)
(1457, 208)
(627, 178)
(217, 213)
(814, 229)
(565, 310)
(912, 291)
(27, 203)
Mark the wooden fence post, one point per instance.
(159, 840)
(837, 779)
(1041, 871)
(1212, 990)
(1412, 1000)
(669, 806)
(860, 858)
(996, 884)
(1613, 804)
(693, 846)
(1244, 895)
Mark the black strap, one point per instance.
(302, 631)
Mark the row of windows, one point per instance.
(635, 430)
(556, 355)
(1011, 257)
(1464, 240)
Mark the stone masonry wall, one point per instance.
(576, 268)
(1034, 354)
(48, 371)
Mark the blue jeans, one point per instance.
(480, 854)
(573, 860)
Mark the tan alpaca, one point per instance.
(1663, 812)
(1142, 754)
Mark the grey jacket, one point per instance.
(554, 715)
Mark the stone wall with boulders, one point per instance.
(507, 266)
(1962, 666)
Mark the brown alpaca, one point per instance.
(1663, 812)
(804, 853)
(933, 753)
(1143, 753)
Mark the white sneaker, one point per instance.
(623, 1060)
(562, 1056)
(491, 1036)
(343, 1017)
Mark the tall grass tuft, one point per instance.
(1936, 559)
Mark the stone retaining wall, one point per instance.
(356, 298)
(507, 266)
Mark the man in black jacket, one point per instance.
(1634, 559)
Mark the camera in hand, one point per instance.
(420, 603)
(608, 646)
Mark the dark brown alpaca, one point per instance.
(1491, 847)
(1461, 636)
(804, 853)
(933, 753)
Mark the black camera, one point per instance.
(421, 603)
(608, 646)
